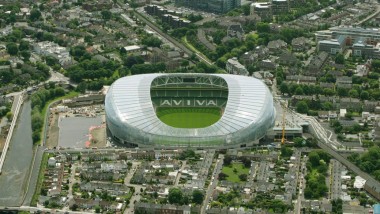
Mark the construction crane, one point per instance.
(284, 108)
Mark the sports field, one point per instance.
(189, 117)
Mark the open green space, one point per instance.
(188, 117)
(191, 47)
(234, 170)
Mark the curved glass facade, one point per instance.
(131, 118)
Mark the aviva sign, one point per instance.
(185, 102)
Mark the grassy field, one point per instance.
(189, 117)
(190, 46)
(232, 176)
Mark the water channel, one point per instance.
(18, 160)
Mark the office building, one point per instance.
(214, 6)
(280, 6)
(263, 10)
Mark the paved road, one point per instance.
(137, 194)
(39, 209)
(301, 183)
(213, 183)
(179, 173)
(335, 180)
(377, 11)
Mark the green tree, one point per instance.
(327, 106)
(50, 60)
(328, 92)
(24, 45)
(35, 15)
(263, 27)
(364, 95)
(302, 107)
(185, 63)
(284, 88)
(151, 41)
(198, 197)
(12, 48)
(342, 92)
(353, 93)
(243, 177)
(97, 209)
(286, 151)
(26, 55)
(194, 17)
(339, 58)
(106, 14)
(185, 200)
(222, 176)
(77, 52)
(246, 161)
(9, 116)
(314, 158)
(129, 61)
(299, 91)
(227, 160)
(175, 196)
(376, 65)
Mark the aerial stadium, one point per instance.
(188, 110)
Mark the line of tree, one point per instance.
(302, 89)
(368, 161)
(39, 99)
(177, 197)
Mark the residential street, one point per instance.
(137, 194)
(213, 183)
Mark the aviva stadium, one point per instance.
(188, 110)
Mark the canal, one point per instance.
(18, 160)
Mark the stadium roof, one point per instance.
(248, 101)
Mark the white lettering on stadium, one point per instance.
(189, 102)
(177, 103)
(165, 103)
(200, 102)
(211, 103)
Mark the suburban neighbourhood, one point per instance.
(62, 63)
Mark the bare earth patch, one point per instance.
(53, 131)
(98, 136)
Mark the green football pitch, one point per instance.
(188, 117)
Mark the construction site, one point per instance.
(80, 127)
